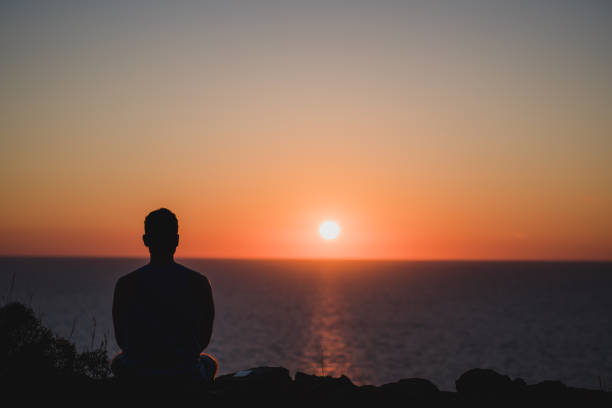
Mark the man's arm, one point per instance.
(208, 314)
(118, 311)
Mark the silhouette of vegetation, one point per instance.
(28, 349)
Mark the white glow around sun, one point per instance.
(329, 230)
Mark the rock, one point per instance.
(556, 393)
(412, 388)
(487, 384)
(369, 390)
(323, 387)
(269, 382)
(268, 375)
(547, 388)
(314, 381)
(519, 382)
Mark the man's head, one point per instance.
(161, 232)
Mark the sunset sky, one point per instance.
(426, 129)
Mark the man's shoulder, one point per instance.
(136, 277)
(192, 274)
(132, 275)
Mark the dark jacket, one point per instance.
(163, 315)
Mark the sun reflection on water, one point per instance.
(327, 352)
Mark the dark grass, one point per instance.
(30, 350)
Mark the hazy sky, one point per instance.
(427, 129)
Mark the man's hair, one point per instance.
(161, 222)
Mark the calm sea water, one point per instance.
(376, 322)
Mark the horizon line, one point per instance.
(302, 259)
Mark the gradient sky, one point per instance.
(427, 129)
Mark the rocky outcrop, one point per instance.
(274, 385)
(478, 387)
(475, 387)
(487, 384)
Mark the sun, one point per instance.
(329, 230)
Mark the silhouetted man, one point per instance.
(163, 312)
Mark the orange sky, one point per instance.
(426, 132)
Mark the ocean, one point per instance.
(376, 322)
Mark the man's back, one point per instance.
(163, 315)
